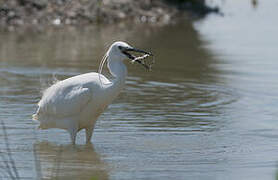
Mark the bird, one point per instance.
(76, 103)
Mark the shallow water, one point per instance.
(206, 111)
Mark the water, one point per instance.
(206, 111)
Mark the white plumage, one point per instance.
(76, 103)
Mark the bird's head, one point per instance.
(121, 50)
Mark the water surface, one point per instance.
(206, 111)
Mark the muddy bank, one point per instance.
(83, 12)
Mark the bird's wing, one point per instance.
(64, 101)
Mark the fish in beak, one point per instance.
(137, 59)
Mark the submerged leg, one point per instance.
(89, 132)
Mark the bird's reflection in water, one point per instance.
(68, 162)
(254, 3)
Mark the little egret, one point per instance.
(75, 103)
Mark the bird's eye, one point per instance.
(121, 47)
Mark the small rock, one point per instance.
(56, 22)
(34, 21)
(166, 19)
(153, 19)
(11, 14)
(143, 19)
(121, 15)
(68, 21)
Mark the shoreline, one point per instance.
(44, 13)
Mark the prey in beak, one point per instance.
(139, 59)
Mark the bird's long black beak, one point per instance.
(139, 51)
(132, 57)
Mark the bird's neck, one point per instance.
(118, 70)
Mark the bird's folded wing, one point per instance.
(64, 102)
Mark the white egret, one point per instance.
(75, 103)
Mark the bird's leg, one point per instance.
(89, 132)
(73, 136)
(73, 131)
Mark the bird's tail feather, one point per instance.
(35, 117)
